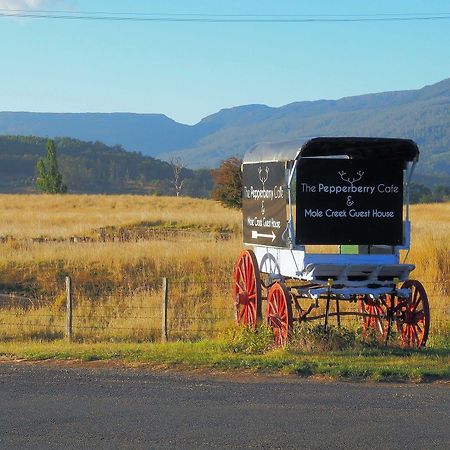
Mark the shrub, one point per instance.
(247, 340)
(307, 337)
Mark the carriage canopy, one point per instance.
(404, 150)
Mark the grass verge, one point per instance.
(371, 364)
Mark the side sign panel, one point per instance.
(264, 199)
(349, 202)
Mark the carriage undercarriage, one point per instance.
(382, 310)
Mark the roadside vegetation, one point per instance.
(338, 354)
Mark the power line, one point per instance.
(220, 18)
(129, 13)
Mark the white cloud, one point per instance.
(21, 4)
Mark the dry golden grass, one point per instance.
(430, 253)
(117, 284)
(62, 216)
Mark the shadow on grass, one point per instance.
(43, 336)
(396, 351)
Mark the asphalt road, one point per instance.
(66, 406)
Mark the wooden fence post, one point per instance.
(68, 308)
(164, 305)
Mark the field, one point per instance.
(118, 248)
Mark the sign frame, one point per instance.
(349, 202)
(265, 203)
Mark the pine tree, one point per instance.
(49, 178)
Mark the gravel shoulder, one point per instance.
(87, 405)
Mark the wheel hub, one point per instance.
(243, 298)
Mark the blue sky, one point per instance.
(190, 70)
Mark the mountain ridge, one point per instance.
(421, 114)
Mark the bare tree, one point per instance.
(177, 164)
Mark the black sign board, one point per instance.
(264, 198)
(341, 201)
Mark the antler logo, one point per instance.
(359, 174)
(263, 179)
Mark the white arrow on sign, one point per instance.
(256, 235)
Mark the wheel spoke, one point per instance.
(239, 287)
(252, 286)
(271, 309)
(248, 269)
(415, 334)
(380, 326)
(250, 315)
(416, 304)
(242, 273)
(414, 296)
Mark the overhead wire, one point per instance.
(220, 18)
(55, 11)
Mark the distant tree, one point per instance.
(423, 194)
(441, 193)
(49, 179)
(177, 164)
(418, 193)
(228, 183)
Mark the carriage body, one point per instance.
(350, 195)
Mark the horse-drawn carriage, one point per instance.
(324, 221)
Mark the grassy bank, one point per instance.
(364, 363)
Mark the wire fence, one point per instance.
(186, 309)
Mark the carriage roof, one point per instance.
(351, 147)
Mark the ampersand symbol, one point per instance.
(349, 200)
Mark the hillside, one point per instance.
(93, 167)
(422, 115)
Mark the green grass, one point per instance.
(375, 364)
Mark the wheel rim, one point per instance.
(247, 290)
(279, 313)
(377, 307)
(413, 315)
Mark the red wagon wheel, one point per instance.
(247, 290)
(279, 313)
(377, 308)
(413, 315)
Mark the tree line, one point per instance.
(227, 181)
(228, 187)
(28, 163)
(93, 167)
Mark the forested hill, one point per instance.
(93, 167)
(422, 115)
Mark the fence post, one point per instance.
(68, 308)
(164, 306)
